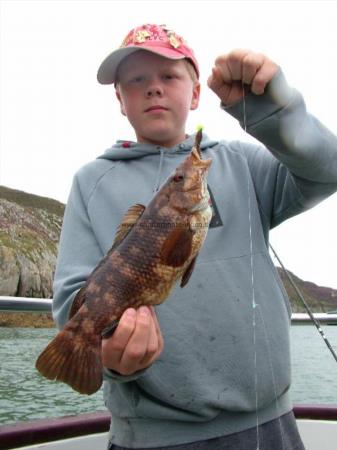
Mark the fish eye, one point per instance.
(178, 178)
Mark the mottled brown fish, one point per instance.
(154, 248)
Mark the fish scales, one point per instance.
(154, 248)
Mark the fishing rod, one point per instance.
(313, 319)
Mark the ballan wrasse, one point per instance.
(154, 247)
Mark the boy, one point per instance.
(222, 379)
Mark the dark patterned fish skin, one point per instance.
(150, 255)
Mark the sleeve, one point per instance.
(79, 253)
(299, 167)
(109, 374)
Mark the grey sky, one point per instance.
(55, 117)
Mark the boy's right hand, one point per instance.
(136, 343)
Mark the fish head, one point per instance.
(188, 184)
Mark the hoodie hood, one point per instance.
(123, 150)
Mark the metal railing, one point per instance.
(25, 304)
(38, 305)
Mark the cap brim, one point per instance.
(107, 70)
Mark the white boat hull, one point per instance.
(93, 441)
(316, 434)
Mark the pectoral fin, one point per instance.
(177, 247)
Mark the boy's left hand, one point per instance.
(136, 343)
(239, 66)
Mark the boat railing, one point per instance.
(38, 305)
(53, 429)
(25, 304)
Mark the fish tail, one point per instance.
(73, 358)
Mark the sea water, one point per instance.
(25, 395)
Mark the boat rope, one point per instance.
(313, 319)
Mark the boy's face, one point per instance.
(156, 95)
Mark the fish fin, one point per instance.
(130, 218)
(177, 247)
(77, 302)
(188, 272)
(110, 329)
(72, 359)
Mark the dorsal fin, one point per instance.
(129, 220)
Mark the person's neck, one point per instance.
(166, 144)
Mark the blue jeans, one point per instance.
(279, 434)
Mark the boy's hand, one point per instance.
(239, 66)
(136, 343)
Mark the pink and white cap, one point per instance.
(153, 38)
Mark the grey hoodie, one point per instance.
(226, 360)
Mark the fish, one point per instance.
(154, 247)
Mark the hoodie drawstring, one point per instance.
(156, 188)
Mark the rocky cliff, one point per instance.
(319, 299)
(29, 233)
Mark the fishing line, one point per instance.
(313, 319)
(255, 307)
